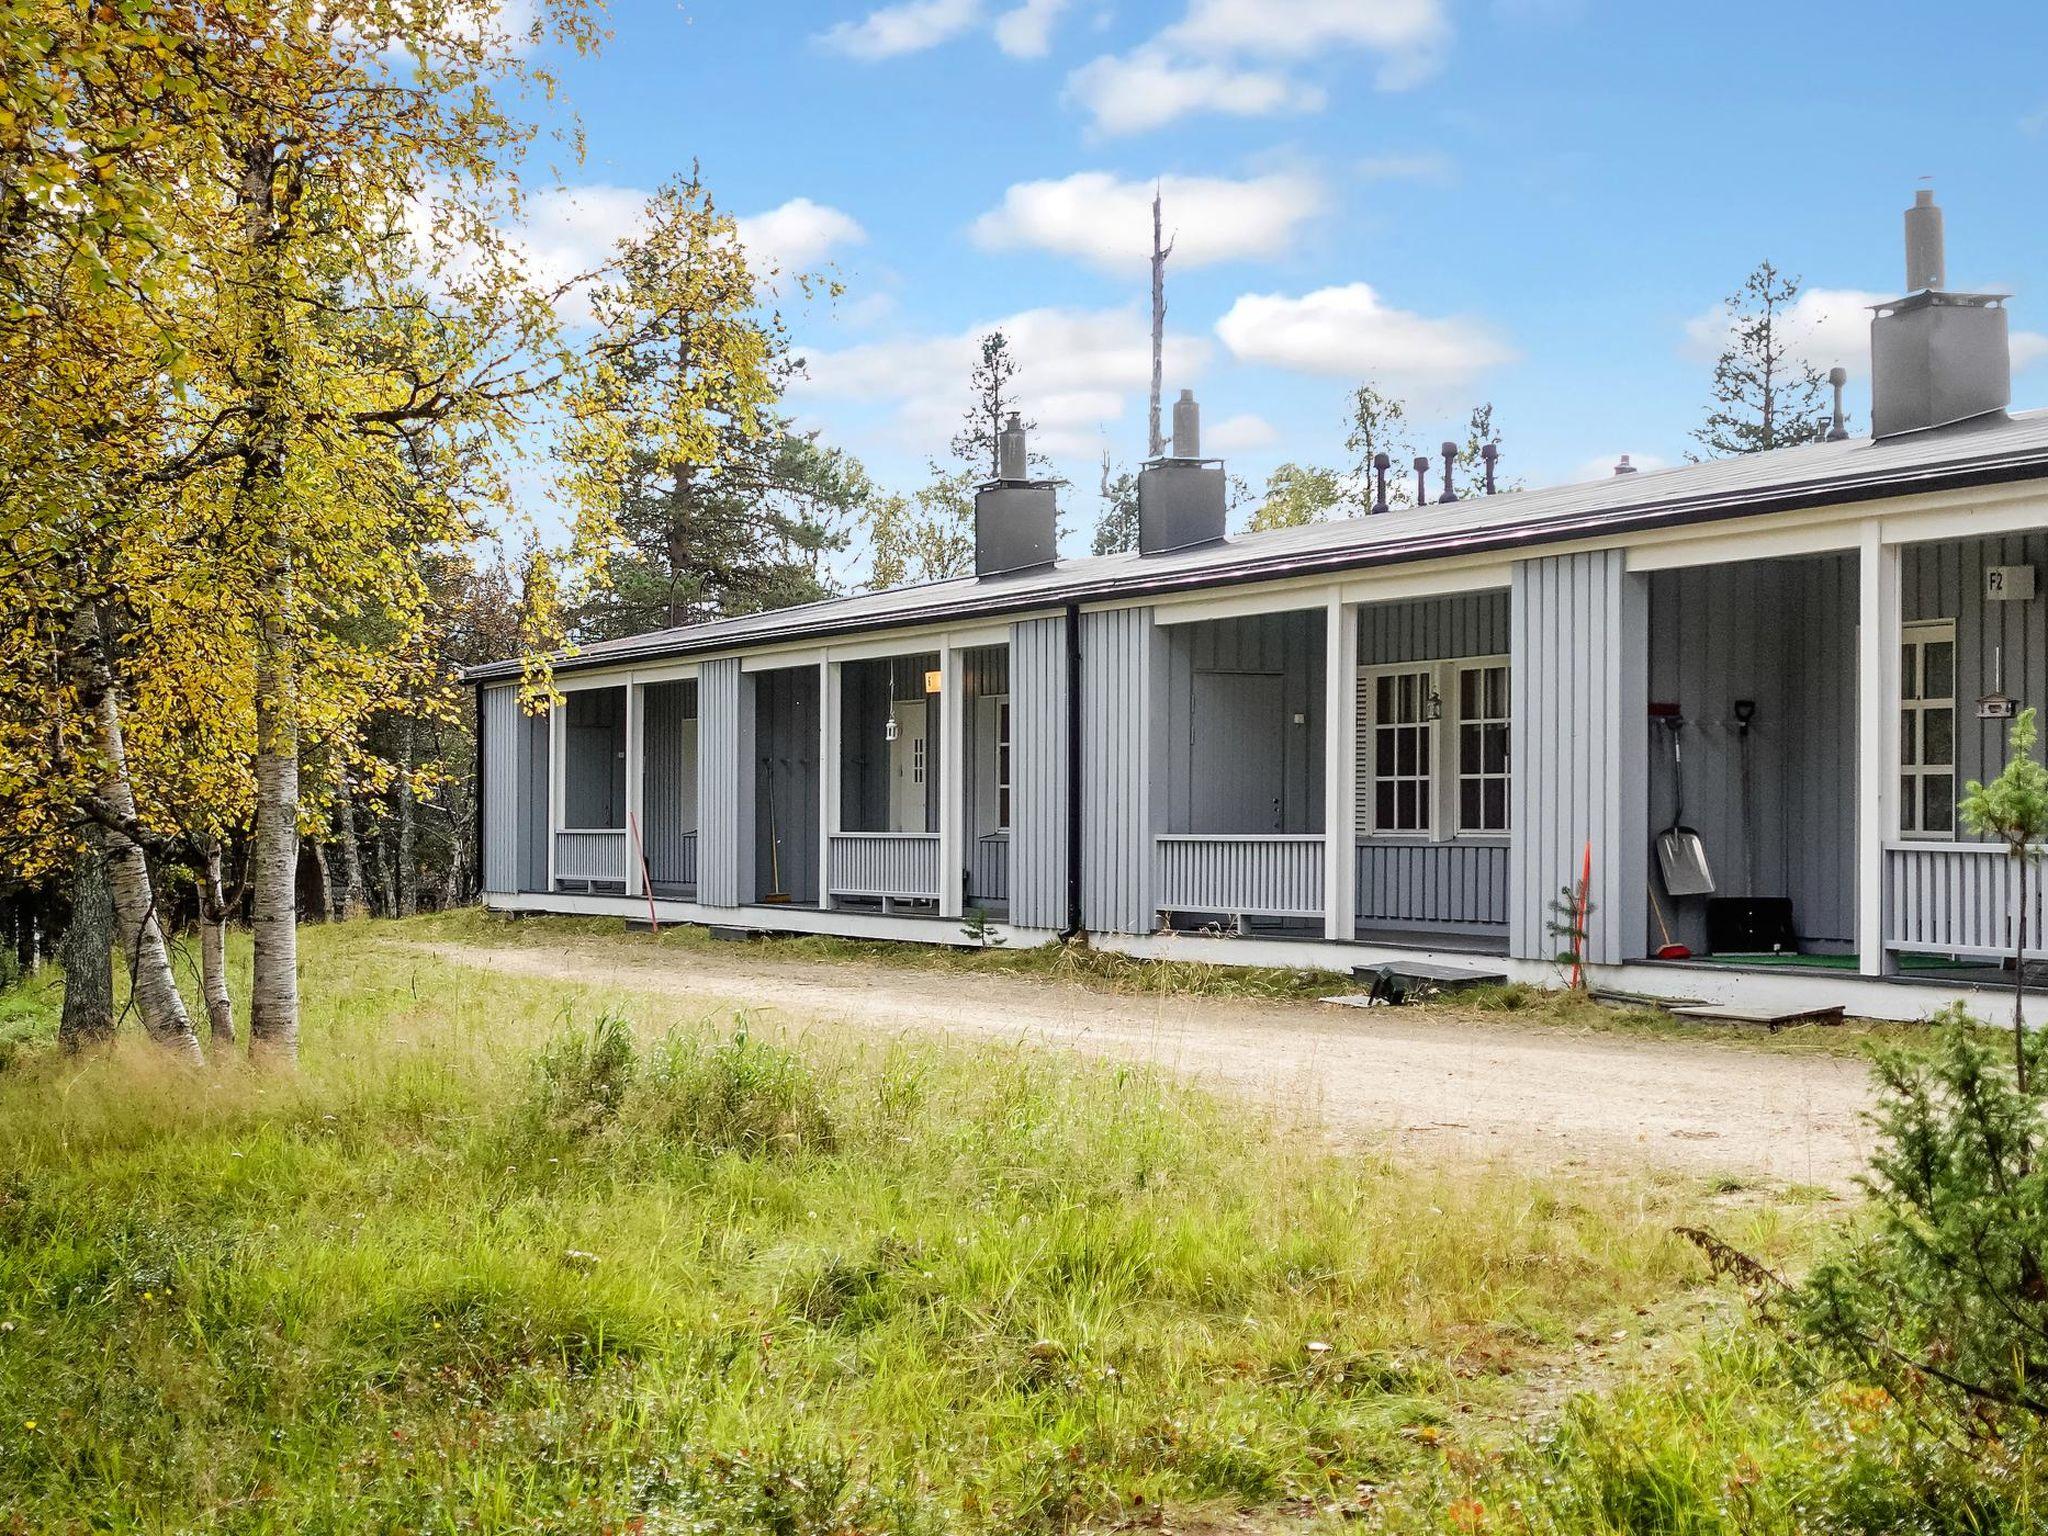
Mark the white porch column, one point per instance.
(636, 789)
(556, 751)
(1340, 769)
(1877, 728)
(828, 775)
(952, 780)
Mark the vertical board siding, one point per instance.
(899, 864)
(1285, 647)
(786, 781)
(1957, 898)
(1433, 629)
(583, 858)
(1783, 634)
(1946, 581)
(1432, 883)
(718, 783)
(500, 721)
(1038, 773)
(1579, 693)
(989, 874)
(1118, 667)
(669, 777)
(1248, 876)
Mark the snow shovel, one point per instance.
(1681, 856)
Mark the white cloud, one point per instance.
(1824, 326)
(910, 27)
(1099, 218)
(1302, 29)
(1026, 32)
(798, 234)
(1078, 372)
(1152, 87)
(1348, 332)
(1239, 434)
(1601, 465)
(2028, 348)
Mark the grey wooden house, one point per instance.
(1388, 736)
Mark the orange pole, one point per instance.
(646, 875)
(1579, 922)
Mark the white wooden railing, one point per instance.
(903, 865)
(1263, 876)
(1420, 882)
(991, 870)
(590, 857)
(1957, 898)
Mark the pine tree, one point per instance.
(1764, 396)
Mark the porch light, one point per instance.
(931, 682)
(1434, 710)
(891, 730)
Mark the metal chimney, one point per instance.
(1181, 498)
(1623, 467)
(1936, 358)
(1016, 518)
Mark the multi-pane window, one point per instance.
(1003, 764)
(1404, 707)
(1927, 730)
(917, 760)
(1483, 723)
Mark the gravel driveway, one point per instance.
(1424, 1077)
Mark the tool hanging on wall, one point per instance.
(1745, 713)
(1681, 855)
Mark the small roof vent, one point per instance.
(1623, 467)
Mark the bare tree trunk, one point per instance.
(88, 953)
(150, 984)
(274, 860)
(407, 852)
(323, 884)
(387, 880)
(2019, 985)
(1155, 441)
(213, 952)
(355, 896)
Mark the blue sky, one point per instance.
(1533, 202)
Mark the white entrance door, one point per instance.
(908, 765)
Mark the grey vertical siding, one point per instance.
(1579, 695)
(718, 783)
(1119, 666)
(1946, 581)
(786, 782)
(500, 809)
(535, 775)
(1287, 649)
(1433, 628)
(669, 784)
(1038, 773)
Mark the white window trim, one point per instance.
(1923, 632)
(1454, 712)
(1004, 761)
(1443, 753)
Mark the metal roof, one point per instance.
(1819, 474)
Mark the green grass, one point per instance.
(508, 1255)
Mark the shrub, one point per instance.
(581, 1076)
(738, 1095)
(1946, 1299)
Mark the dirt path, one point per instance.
(1427, 1077)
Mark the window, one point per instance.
(1927, 730)
(1483, 726)
(1434, 757)
(1404, 708)
(1003, 764)
(917, 760)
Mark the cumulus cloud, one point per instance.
(1349, 332)
(1099, 218)
(1026, 32)
(798, 234)
(1239, 434)
(1151, 87)
(910, 27)
(1078, 371)
(1827, 326)
(1301, 29)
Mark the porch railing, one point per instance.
(1956, 898)
(1432, 883)
(590, 857)
(1257, 876)
(991, 869)
(672, 859)
(903, 865)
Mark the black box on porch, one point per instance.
(1751, 925)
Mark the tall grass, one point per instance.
(516, 1256)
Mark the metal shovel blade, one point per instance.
(1683, 858)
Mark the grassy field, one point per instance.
(506, 1256)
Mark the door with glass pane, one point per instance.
(1927, 730)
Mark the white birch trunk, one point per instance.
(213, 954)
(355, 896)
(274, 859)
